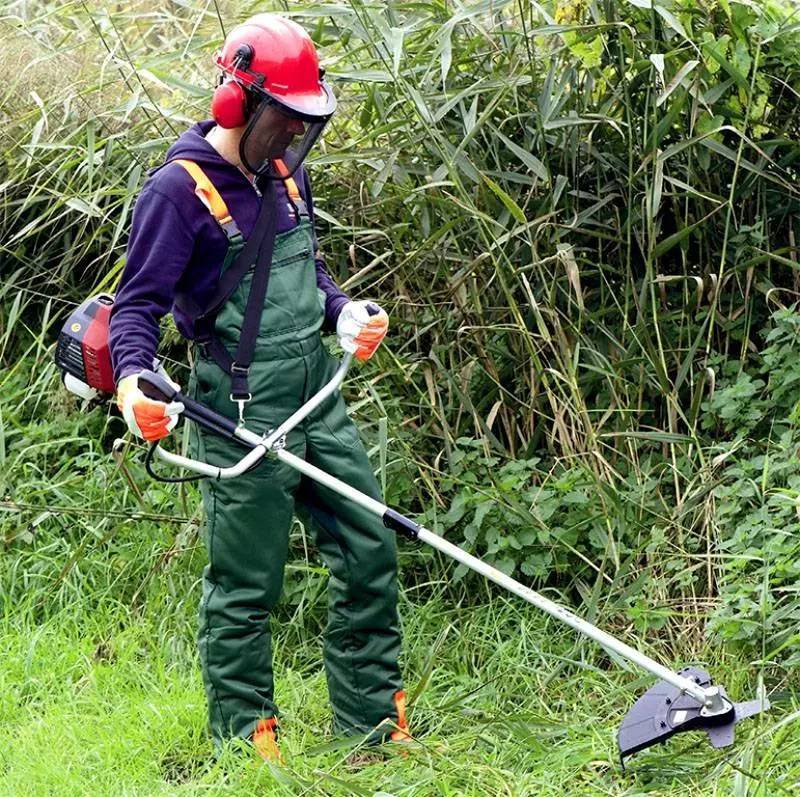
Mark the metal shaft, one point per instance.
(493, 574)
(271, 444)
(566, 616)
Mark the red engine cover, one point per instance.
(96, 354)
(82, 349)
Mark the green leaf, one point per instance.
(364, 75)
(82, 206)
(131, 189)
(422, 108)
(457, 509)
(717, 51)
(662, 247)
(657, 60)
(672, 21)
(715, 92)
(655, 191)
(530, 160)
(656, 437)
(511, 205)
(171, 80)
(90, 151)
(741, 58)
(395, 44)
(589, 52)
(446, 56)
(709, 124)
(481, 512)
(685, 70)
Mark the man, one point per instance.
(226, 197)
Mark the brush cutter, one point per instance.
(682, 701)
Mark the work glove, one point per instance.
(146, 417)
(361, 327)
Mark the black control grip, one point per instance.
(158, 388)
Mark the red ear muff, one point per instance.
(229, 104)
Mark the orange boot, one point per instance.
(401, 734)
(265, 740)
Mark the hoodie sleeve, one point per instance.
(335, 298)
(159, 248)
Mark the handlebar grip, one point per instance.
(154, 386)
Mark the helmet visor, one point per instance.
(276, 133)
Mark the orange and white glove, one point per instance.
(146, 417)
(361, 327)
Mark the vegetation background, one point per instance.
(581, 216)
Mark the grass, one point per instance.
(108, 700)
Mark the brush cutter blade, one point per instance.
(663, 710)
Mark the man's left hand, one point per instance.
(361, 327)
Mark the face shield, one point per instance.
(277, 132)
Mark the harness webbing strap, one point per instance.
(295, 199)
(211, 198)
(239, 365)
(240, 257)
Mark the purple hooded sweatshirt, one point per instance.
(176, 245)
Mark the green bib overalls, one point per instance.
(249, 518)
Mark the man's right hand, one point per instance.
(146, 418)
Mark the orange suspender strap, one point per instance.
(211, 198)
(291, 187)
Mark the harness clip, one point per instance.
(239, 392)
(240, 400)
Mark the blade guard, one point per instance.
(663, 710)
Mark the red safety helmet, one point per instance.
(269, 65)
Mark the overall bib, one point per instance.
(249, 518)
